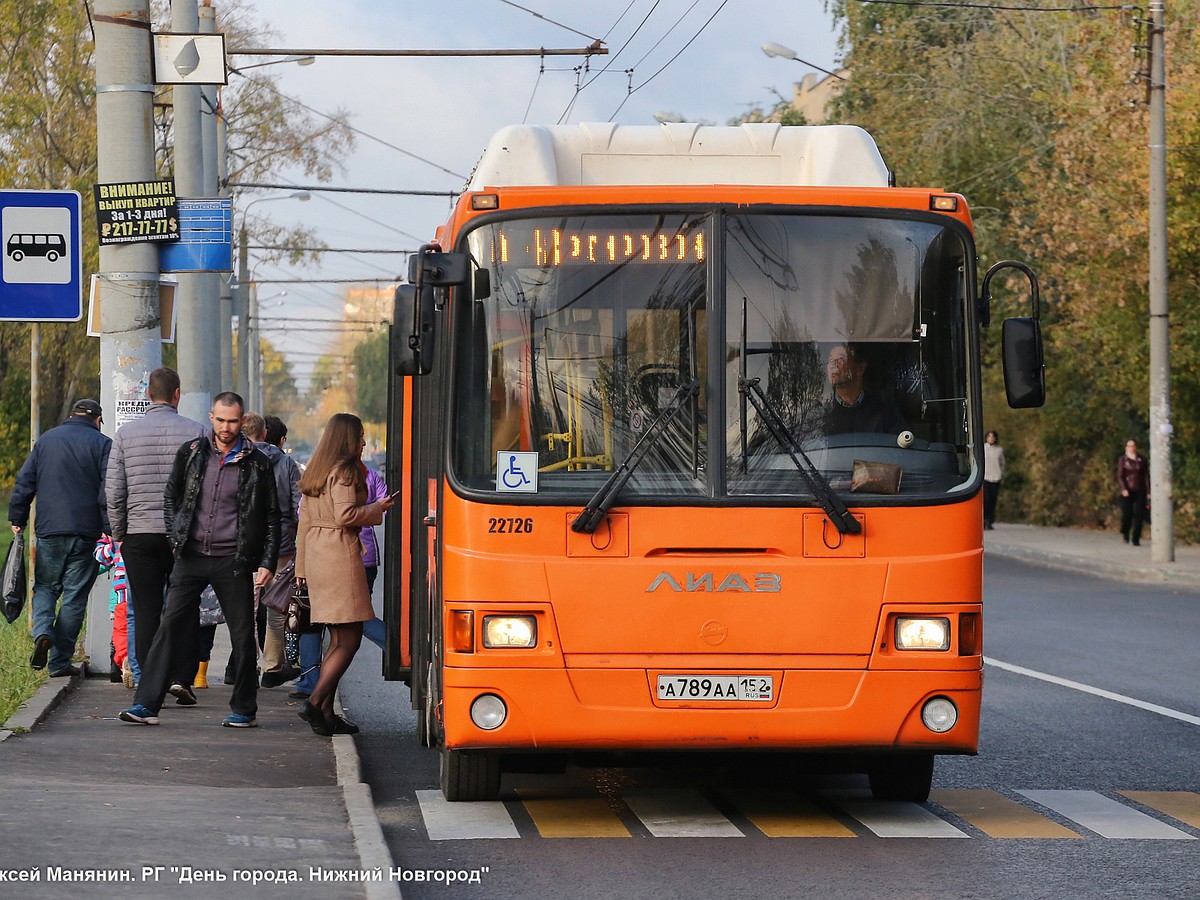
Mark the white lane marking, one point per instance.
(446, 821)
(894, 819)
(1099, 692)
(679, 812)
(1106, 816)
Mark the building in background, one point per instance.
(812, 94)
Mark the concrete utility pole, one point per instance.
(1162, 509)
(130, 340)
(194, 338)
(211, 307)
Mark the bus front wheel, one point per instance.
(470, 775)
(906, 777)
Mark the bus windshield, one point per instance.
(826, 345)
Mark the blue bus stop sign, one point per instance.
(41, 256)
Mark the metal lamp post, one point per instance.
(247, 331)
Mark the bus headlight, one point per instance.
(922, 634)
(509, 631)
(488, 712)
(939, 715)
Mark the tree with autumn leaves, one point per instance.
(48, 141)
(1041, 120)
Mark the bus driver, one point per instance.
(851, 408)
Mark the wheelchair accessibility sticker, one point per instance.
(516, 471)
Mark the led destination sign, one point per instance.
(549, 247)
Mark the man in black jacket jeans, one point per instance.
(222, 518)
(65, 471)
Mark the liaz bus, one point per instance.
(689, 424)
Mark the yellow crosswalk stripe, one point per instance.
(1181, 805)
(572, 817)
(998, 816)
(782, 814)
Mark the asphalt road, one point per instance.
(1087, 783)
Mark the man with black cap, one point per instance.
(65, 471)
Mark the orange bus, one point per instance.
(689, 424)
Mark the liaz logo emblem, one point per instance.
(706, 583)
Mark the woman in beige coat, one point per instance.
(333, 508)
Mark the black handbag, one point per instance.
(298, 619)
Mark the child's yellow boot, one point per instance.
(201, 676)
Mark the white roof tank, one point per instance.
(680, 153)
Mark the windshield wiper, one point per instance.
(589, 519)
(830, 502)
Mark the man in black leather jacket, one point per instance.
(222, 520)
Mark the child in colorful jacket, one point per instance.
(108, 554)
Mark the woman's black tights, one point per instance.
(344, 641)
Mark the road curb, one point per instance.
(33, 712)
(1090, 566)
(373, 852)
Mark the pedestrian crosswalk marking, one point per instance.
(1105, 816)
(999, 816)
(573, 817)
(684, 812)
(446, 821)
(780, 814)
(679, 812)
(894, 819)
(1181, 805)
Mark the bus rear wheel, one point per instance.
(906, 778)
(470, 775)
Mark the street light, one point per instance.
(248, 359)
(772, 49)
(298, 60)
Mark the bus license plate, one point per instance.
(716, 687)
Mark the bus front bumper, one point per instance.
(614, 709)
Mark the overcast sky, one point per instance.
(700, 59)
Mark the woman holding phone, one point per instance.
(333, 509)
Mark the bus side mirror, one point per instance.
(483, 284)
(437, 269)
(1021, 342)
(1024, 366)
(412, 342)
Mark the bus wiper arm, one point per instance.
(589, 519)
(830, 502)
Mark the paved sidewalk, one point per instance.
(1100, 553)
(86, 795)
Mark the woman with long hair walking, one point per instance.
(329, 561)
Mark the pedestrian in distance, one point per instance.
(993, 472)
(329, 558)
(65, 472)
(1133, 478)
(142, 455)
(222, 519)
